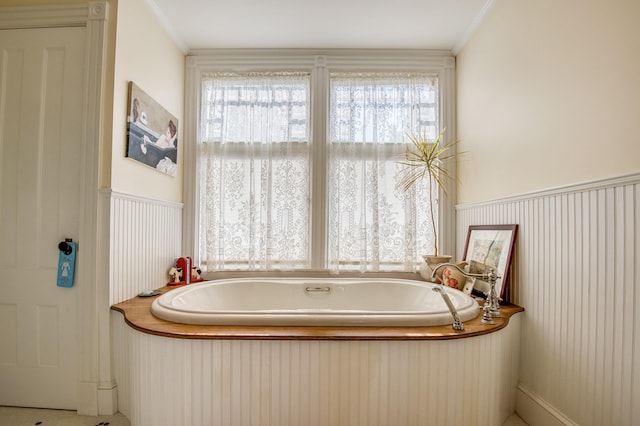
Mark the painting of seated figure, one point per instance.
(152, 132)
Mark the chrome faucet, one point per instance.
(457, 324)
(491, 308)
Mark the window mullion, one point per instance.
(319, 150)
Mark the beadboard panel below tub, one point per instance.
(167, 381)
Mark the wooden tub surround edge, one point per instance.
(137, 314)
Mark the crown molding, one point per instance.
(166, 25)
(471, 29)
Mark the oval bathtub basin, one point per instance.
(312, 302)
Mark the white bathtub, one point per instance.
(312, 301)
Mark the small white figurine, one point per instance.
(195, 273)
(175, 274)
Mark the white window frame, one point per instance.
(319, 63)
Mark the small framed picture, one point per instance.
(490, 246)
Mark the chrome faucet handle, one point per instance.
(487, 317)
(493, 301)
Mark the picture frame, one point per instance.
(152, 132)
(492, 246)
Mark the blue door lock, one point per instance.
(66, 262)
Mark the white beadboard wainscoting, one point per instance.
(166, 381)
(576, 274)
(145, 241)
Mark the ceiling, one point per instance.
(358, 24)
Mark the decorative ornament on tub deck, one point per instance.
(175, 274)
(184, 272)
(428, 159)
(195, 273)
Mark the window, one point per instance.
(255, 180)
(298, 169)
(372, 224)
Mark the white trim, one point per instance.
(336, 59)
(105, 392)
(190, 217)
(611, 182)
(473, 27)
(446, 206)
(533, 409)
(94, 299)
(110, 193)
(320, 110)
(44, 16)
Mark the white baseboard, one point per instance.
(108, 401)
(95, 401)
(535, 411)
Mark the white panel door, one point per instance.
(41, 93)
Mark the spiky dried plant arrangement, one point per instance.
(427, 159)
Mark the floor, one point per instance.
(14, 416)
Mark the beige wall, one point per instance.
(549, 95)
(146, 55)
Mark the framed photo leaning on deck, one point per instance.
(490, 246)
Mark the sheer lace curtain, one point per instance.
(254, 185)
(372, 224)
(256, 207)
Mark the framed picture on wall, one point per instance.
(152, 132)
(490, 246)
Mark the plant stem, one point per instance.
(433, 220)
